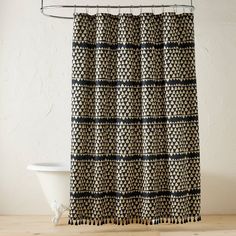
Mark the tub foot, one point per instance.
(58, 209)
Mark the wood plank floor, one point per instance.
(211, 225)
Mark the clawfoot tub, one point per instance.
(54, 179)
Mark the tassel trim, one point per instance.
(124, 221)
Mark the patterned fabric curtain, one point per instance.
(135, 136)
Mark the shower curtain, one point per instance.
(134, 128)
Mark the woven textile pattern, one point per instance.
(135, 139)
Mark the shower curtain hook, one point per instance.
(87, 9)
(175, 9)
(119, 9)
(163, 9)
(191, 8)
(74, 9)
(131, 9)
(152, 9)
(141, 9)
(97, 9)
(108, 9)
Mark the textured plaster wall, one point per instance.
(35, 70)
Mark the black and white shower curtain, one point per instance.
(135, 135)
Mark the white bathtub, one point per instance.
(54, 179)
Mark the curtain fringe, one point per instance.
(123, 221)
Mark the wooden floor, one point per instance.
(214, 225)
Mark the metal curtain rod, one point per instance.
(47, 7)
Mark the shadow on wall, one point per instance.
(217, 194)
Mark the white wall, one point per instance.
(35, 71)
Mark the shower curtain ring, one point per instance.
(152, 9)
(175, 8)
(131, 9)
(163, 9)
(108, 9)
(141, 9)
(97, 9)
(119, 9)
(191, 9)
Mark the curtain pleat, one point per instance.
(135, 155)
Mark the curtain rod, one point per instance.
(46, 7)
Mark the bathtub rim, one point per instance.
(49, 167)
